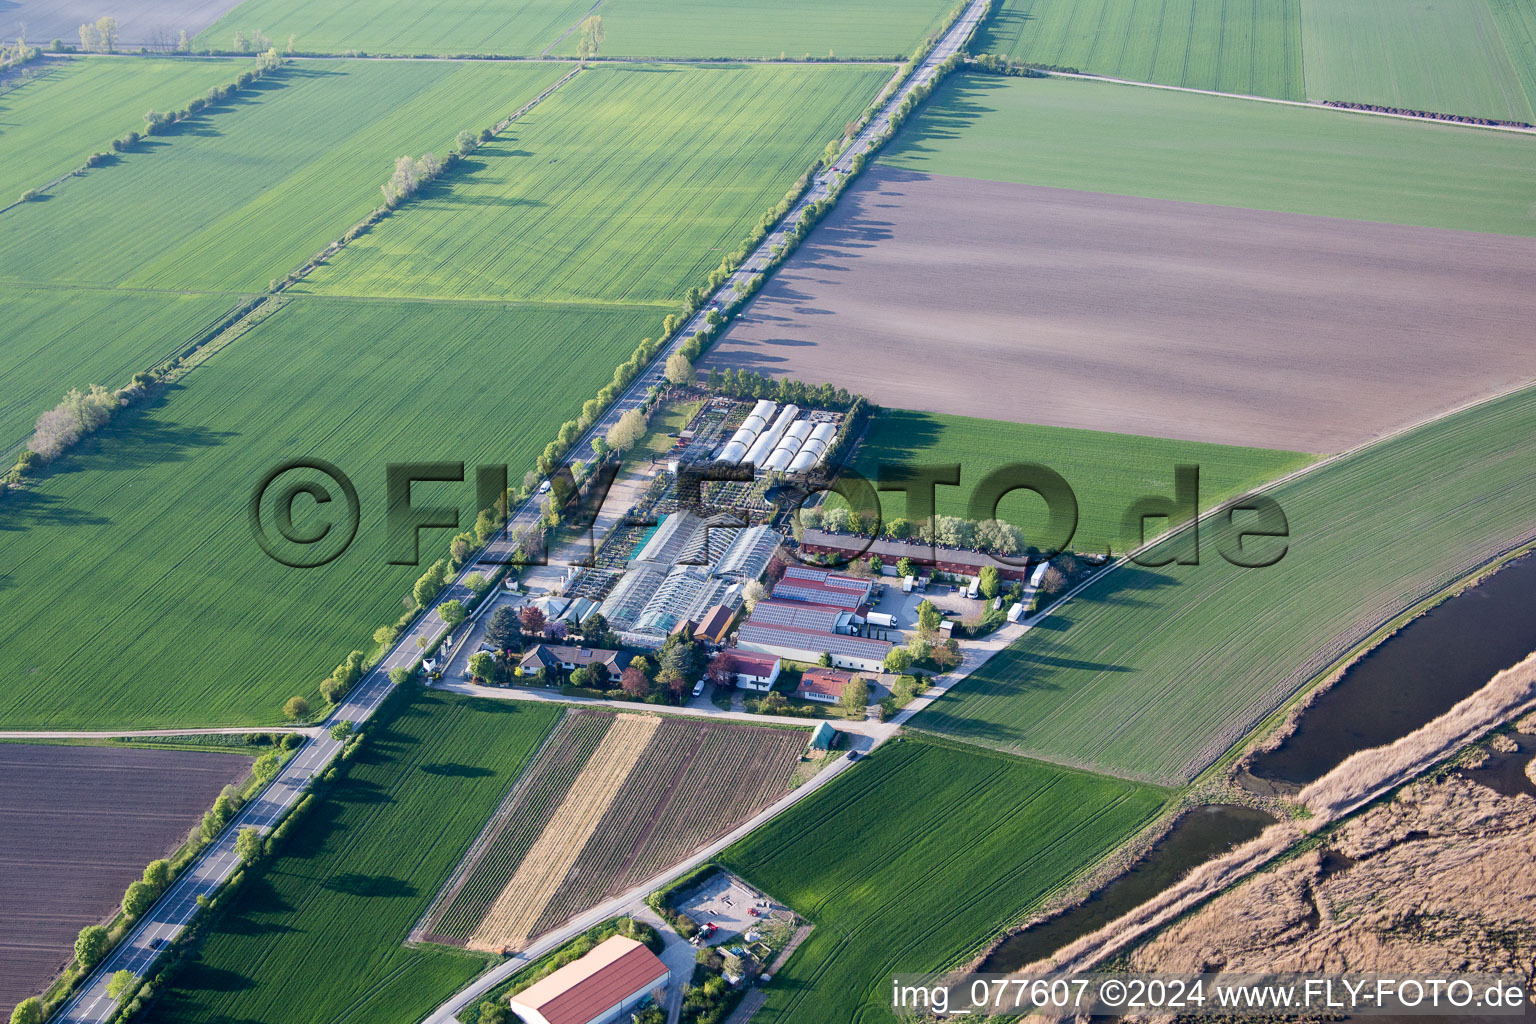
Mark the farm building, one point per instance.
(804, 632)
(715, 624)
(754, 671)
(613, 978)
(825, 737)
(818, 586)
(552, 656)
(951, 560)
(823, 684)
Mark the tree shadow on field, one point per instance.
(455, 770)
(22, 510)
(360, 791)
(355, 883)
(200, 977)
(958, 104)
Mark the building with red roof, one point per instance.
(823, 684)
(612, 979)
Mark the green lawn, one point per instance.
(514, 27)
(1155, 672)
(916, 858)
(1243, 46)
(1447, 56)
(54, 339)
(1208, 149)
(233, 199)
(50, 124)
(133, 593)
(749, 28)
(1106, 471)
(320, 936)
(629, 184)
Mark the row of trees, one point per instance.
(99, 36)
(991, 535)
(16, 56)
(749, 384)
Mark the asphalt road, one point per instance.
(175, 909)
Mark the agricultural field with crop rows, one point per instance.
(917, 859)
(81, 823)
(320, 935)
(68, 109)
(745, 28)
(1450, 56)
(629, 184)
(611, 801)
(1106, 471)
(1155, 672)
(1101, 137)
(53, 339)
(148, 521)
(1242, 46)
(234, 198)
(516, 28)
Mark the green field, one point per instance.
(233, 199)
(1243, 46)
(54, 339)
(1517, 24)
(1100, 137)
(1447, 56)
(50, 124)
(1155, 672)
(515, 28)
(133, 594)
(744, 28)
(320, 936)
(629, 184)
(1106, 471)
(918, 857)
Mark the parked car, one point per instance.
(698, 688)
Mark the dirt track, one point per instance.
(79, 824)
(1138, 315)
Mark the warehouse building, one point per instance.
(614, 978)
(951, 560)
(804, 632)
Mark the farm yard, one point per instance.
(80, 823)
(612, 800)
(787, 28)
(296, 160)
(1449, 56)
(1106, 471)
(1101, 137)
(72, 108)
(629, 184)
(1242, 46)
(52, 339)
(1154, 673)
(1092, 311)
(148, 519)
(919, 858)
(320, 935)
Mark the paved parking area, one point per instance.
(727, 902)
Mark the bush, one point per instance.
(296, 709)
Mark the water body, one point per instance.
(1416, 675)
(1197, 837)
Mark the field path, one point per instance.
(511, 918)
(1289, 103)
(302, 730)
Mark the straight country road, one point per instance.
(171, 914)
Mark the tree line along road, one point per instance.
(171, 914)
